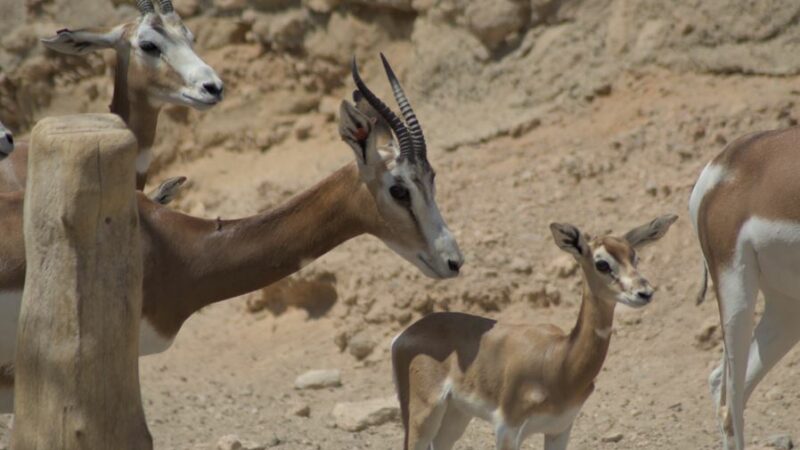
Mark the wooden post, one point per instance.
(77, 372)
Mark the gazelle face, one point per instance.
(6, 142)
(157, 50)
(164, 64)
(400, 179)
(609, 263)
(405, 197)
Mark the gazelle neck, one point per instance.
(215, 261)
(589, 339)
(134, 107)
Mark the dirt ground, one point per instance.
(607, 138)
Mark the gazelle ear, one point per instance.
(81, 42)
(570, 239)
(358, 131)
(651, 231)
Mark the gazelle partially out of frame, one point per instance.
(6, 142)
(190, 262)
(524, 379)
(745, 210)
(156, 65)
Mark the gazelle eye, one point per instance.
(149, 48)
(400, 193)
(602, 266)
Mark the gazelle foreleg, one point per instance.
(738, 289)
(557, 441)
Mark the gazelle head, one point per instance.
(6, 142)
(155, 55)
(609, 262)
(399, 178)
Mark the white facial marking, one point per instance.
(710, 177)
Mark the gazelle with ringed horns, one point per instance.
(524, 379)
(745, 210)
(190, 263)
(156, 65)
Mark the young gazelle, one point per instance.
(190, 262)
(524, 379)
(745, 210)
(6, 142)
(156, 65)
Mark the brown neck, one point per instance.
(210, 261)
(134, 107)
(588, 342)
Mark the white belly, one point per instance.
(777, 248)
(150, 341)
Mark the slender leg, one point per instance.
(557, 441)
(453, 425)
(424, 423)
(738, 289)
(776, 334)
(506, 437)
(717, 384)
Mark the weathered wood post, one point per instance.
(77, 373)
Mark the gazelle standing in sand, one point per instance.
(156, 65)
(6, 142)
(190, 263)
(745, 210)
(524, 379)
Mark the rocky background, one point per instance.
(600, 113)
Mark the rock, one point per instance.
(397, 5)
(358, 416)
(709, 335)
(303, 127)
(186, 8)
(492, 21)
(360, 346)
(521, 266)
(300, 410)
(564, 266)
(774, 394)
(229, 442)
(321, 6)
(612, 437)
(318, 379)
(284, 30)
(230, 5)
(780, 441)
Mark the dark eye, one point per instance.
(400, 193)
(602, 266)
(150, 48)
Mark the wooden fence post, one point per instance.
(77, 372)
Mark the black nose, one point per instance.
(213, 89)
(645, 295)
(10, 138)
(453, 265)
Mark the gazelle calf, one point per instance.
(6, 142)
(156, 65)
(523, 379)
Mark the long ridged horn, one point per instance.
(397, 125)
(166, 6)
(145, 6)
(417, 138)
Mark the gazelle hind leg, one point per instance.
(738, 289)
(424, 422)
(454, 423)
(557, 441)
(776, 333)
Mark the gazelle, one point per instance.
(190, 262)
(156, 65)
(6, 142)
(745, 211)
(524, 379)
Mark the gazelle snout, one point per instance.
(449, 254)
